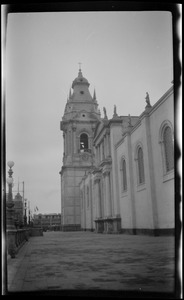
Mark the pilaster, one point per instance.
(74, 139)
(152, 186)
(131, 179)
(98, 204)
(106, 174)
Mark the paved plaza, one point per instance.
(89, 261)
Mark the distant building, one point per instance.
(18, 210)
(117, 174)
(48, 221)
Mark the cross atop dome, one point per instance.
(80, 66)
(80, 71)
(80, 80)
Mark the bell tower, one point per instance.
(78, 124)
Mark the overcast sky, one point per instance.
(123, 56)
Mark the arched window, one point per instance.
(140, 162)
(124, 175)
(167, 146)
(168, 149)
(83, 142)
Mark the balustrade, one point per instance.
(16, 239)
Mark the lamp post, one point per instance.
(10, 203)
(29, 214)
(10, 226)
(25, 216)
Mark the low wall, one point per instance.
(36, 231)
(16, 239)
(71, 227)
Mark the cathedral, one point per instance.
(117, 174)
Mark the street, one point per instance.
(90, 261)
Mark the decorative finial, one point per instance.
(105, 113)
(147, 100)
(70, 94)
(94, 95)
(115, 112)
(129, 121)
(80, 72)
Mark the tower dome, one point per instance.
(80, 80)
(80, 99)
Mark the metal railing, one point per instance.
(21, 236)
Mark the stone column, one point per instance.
(105, 146)
(98, 222)
(97, 194)
(108, 143)
(131, 180)
(96, 205)
(74, 140)
(90, 143)
(64, 142)
(98, 153)
(151, 182)
(78, 144)
(69, 140)
(109, 224)
(84, 206)
(98, 199)
(107, 193)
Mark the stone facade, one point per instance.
(103, 209)
(117, 174)
(131, 186)
(147, 202)
(78, 124)
(48, 221)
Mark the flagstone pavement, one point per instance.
(72, 261)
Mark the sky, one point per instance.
(123, 56)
